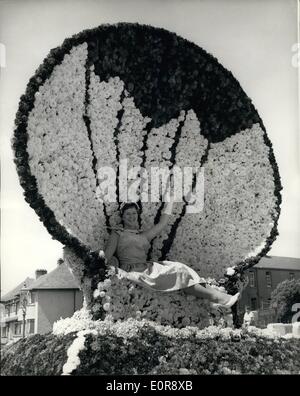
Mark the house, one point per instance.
(35, 304)
(11, 314)
(263, 279)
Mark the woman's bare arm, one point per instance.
(157, 229)
(111, 248)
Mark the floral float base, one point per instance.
(121, 299)
(81, 346)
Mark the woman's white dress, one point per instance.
(163, 276)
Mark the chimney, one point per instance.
(40, 272)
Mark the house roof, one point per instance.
(16, 291)
(276, 262)
(60, 278)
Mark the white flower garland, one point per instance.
(132, 132)
(78, 345)
(130, 327)
(104, 105)
(159, 143)
(192, 145)
(130, 143)
(189, 151)
(103, 108)
(81, 320)
(60, 150)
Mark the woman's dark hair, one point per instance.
(129, 205)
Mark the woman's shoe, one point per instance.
(233, 300)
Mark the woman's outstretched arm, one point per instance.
(111, 248)
(155, 230)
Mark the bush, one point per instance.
(286, 294)
(141, 347)
(36, 355)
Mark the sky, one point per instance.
(252, 39)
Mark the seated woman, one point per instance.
(128, 246)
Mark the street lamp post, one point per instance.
(24, 295)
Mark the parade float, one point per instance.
(135, 94)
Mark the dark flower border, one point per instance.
(223, 109)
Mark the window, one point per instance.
(251, 279)
(32, 298)
(18, 328)
(17, 307)
(269, 303)
(30, 326)
(253, 304)
(268, 279)
(4, 331)
(291, 275)
(265, 304)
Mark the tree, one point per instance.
(286, 294)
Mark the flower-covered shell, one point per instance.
(145, 95)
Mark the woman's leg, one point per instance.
(208, 293)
